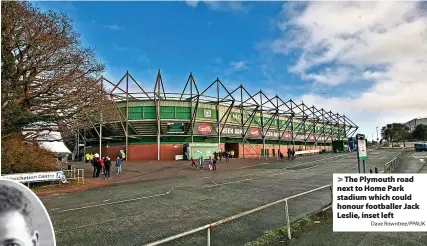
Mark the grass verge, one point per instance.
(280, 236)
(50, 186)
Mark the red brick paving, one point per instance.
(134, 171)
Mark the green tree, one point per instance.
(386, 132)
(420, 132)
(47, 75)
(395, 132)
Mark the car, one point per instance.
(420, 146)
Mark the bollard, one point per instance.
(287, 219)
(209, 236)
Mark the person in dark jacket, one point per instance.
(98, 166)
(107, 166)
(289, 153)
(94, 163)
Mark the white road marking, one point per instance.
(226, 183)
(277, 171)
(309, 167)
(257, 165)
(87, 225)
(333, 157)
(116, 202)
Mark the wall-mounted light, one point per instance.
(175, 146)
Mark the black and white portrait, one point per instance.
(23, 219)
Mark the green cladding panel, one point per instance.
(183, 113)
(167, 112)
(135, 113)
(150, 112)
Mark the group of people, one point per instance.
(212, 162)
(102, 165)
(224, 154)
(376, 170)
(291, 154)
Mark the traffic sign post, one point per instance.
(361, 151)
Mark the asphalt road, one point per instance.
(139, 213)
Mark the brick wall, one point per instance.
(139, 152)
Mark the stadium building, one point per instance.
(412, 124)
(158, 125)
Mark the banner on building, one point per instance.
(175, 128)
(254, 132)
(36, 177)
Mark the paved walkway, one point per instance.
(323, 235)
(140, 171)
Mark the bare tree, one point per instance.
(48, 77)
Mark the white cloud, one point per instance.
(114, 27)
(335, 76)
(192, 3)
(239, 65)
(235, 6)
(382, 42)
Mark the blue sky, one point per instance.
(178, 39)
(350, 59)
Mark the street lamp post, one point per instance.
(377, 135)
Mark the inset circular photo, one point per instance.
(24, 220)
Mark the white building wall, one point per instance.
(415, 122)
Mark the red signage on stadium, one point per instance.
(254, 132)
(204, 129)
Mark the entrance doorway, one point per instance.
(232, 146)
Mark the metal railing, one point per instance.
(75, 174)
(209, 227)
(391, 166)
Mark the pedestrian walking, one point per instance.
(210, 163)
(102, 165)
(281, 156)
(226, 156)
(201, 160)
(293, 153)
(376, 169)
(119, 165)
(193, 162)
(289, 153)
(214, 164)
